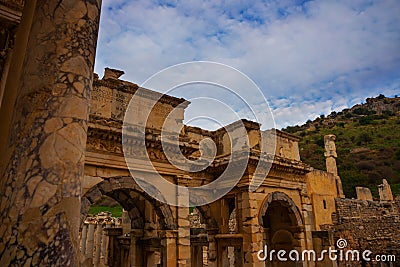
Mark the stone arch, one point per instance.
(283, 226)
(283, 199)
(125, 185)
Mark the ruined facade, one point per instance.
(59, 157)
(165, 230)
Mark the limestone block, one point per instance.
(89, 182)
(363, 193)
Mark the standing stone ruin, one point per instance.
(59, 157)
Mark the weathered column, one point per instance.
(90, 244)
(126, 222)
(168, 241)
(197, 255)
(253, 236)
(135, 253)
(385, 192)
(224, 257)
(238, 257)
(183, 224)
(97, 246)
(111, 243)
(44, 152)
(83, 238)
(103, 246)
(304, 235)
(330, 160)
(212, 248)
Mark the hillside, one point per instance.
(367, 142)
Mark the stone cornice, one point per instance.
(282, 134)
(132, 88)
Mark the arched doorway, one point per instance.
(283, 228)
(141, 241)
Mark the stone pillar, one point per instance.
(111, 244)
(168, 241)
(212, 248)
(90, 244)
(330, 158)
(238, 257)
(135, 253)
(183, 225)
(126, 222)
(330, 153)
(124, 245)
(224, 257)
(83, 238)
(385, 192)
(253, 236)
(45, 135)
(97, 247)
(304, 234)
(103, 247)
(197, 256)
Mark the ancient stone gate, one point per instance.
(279, 213)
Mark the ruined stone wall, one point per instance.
(367, 225)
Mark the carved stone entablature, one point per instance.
(104, 141)
(96, 121)
(288, 165)
(285, 173)
(198, 130)
(295, 166)
(105, 136)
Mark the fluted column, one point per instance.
(43, 153)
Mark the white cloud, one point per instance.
(308, 59)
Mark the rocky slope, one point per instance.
(368, 143)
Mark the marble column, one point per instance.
(43, 159)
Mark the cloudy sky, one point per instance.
(307, 57)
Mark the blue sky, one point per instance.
(307, 57)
